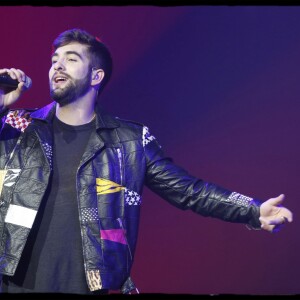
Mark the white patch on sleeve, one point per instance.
(147, 137)
(20, 215)
(239, 199)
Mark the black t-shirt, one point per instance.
(52, 260)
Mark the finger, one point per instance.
(278, 221)
(277, 200)
(272, 228)
(21, 86)
(288, 215)
(16, 74)
(22, 75)
(277, 228)
(11, 73)
(4, 70)
(285, 215)
(267, 227)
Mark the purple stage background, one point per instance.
(219, 87)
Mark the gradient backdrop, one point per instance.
(218, 86)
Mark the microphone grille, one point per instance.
(28, 82)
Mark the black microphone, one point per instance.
(7, 82)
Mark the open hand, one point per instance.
(273, 215)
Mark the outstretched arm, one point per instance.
(273, 215)
(175, 185)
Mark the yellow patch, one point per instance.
(2, 176)
(105, 186)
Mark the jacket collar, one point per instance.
(103, 119)
(45, 113)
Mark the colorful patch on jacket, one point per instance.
(8, 177)
(20, 215)
(94, 280)
(48, 152)
(114, 235)
(132, 197)
(19, 120)
(239, 199)
(147, 137)
(105, 186)
(11, 177)
(90, 214)
(2, 177)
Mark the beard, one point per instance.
(71, 91)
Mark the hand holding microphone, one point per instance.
(7, 81)
(13, 82)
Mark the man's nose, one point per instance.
(58, 65)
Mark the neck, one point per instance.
(76, 113)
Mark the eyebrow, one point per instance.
(68, 53)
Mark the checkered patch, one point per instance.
(132, 198)
(17, 121)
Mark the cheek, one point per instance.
(50, 74)
(80, 72)
(81, 75)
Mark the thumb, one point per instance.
(21, 86)
(277, 200)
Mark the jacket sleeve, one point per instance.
(185, 191)
(3, 113)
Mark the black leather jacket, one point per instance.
(120, 157)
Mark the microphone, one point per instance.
(7, 82)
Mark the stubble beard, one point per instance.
(71, 91)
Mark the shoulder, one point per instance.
(127, 129)
(138, 129)
(130, 123)
(134, 125)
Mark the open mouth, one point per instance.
(60, 79)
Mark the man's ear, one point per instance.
(97, 76)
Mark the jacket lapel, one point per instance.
(42, 125)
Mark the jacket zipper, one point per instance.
(125, 236)
(124, 232)
(9, 160)
(13, 152)
(81, 229)
(120, 158)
